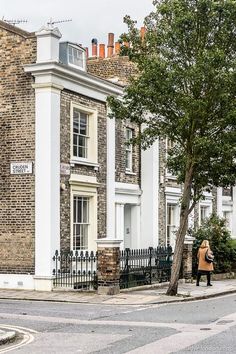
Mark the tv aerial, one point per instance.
(14, 21)
(51, 22)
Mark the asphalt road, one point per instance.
(192, 327)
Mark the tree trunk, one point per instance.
(180, 236)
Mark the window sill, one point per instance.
(171, 177)
(83, 162)
(130, 173)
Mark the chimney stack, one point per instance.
(142, 32)
(117, 48)
(110, 47)
(102, 51)
(94, 47)
(48, 44)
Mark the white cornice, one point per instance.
(74, 80)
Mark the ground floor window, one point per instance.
(204, 211)
(227, 215)
(80, 222)
(170, 224)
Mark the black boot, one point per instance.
(209, 279)
(198, 279)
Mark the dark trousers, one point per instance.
(200, 273)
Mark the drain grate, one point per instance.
(205, 329)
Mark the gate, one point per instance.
(75, 270)
(145, 266)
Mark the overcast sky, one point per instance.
(90, 18)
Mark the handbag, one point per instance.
(209, 258)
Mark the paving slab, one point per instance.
(143, 296)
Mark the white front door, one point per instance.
(127, 226)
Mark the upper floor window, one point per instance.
(227, 192)
(80, 133)
(83, 134)
(72, 54)
(76, 56)
(129, 150)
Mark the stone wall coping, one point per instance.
(189, 240)
(106, 242)
(43, 277)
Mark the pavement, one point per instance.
(145, 295)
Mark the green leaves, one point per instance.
(186, 86)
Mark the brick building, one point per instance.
(56, 189)
(67, 175)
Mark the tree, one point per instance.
(185, 90)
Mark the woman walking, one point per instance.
(205, 262)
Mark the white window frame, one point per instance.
(203, 213)
(227, 214)
(83, 60)
(80, 135)
(129, 149)
(173, 196)
(170, 228)
(207, 205)
(88, 190)
(83, 224)
(92, 145)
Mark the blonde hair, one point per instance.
(204, 244)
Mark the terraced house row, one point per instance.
(68, 175)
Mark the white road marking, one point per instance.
(27, 337)
(17, 328)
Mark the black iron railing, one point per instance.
(78, 270)
(75, 270)
(145, 266)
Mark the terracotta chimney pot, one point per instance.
(142, 32)
(102, 51)
(94, 47)
(117, 48)
(110, 47)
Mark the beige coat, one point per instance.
(202, 264)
